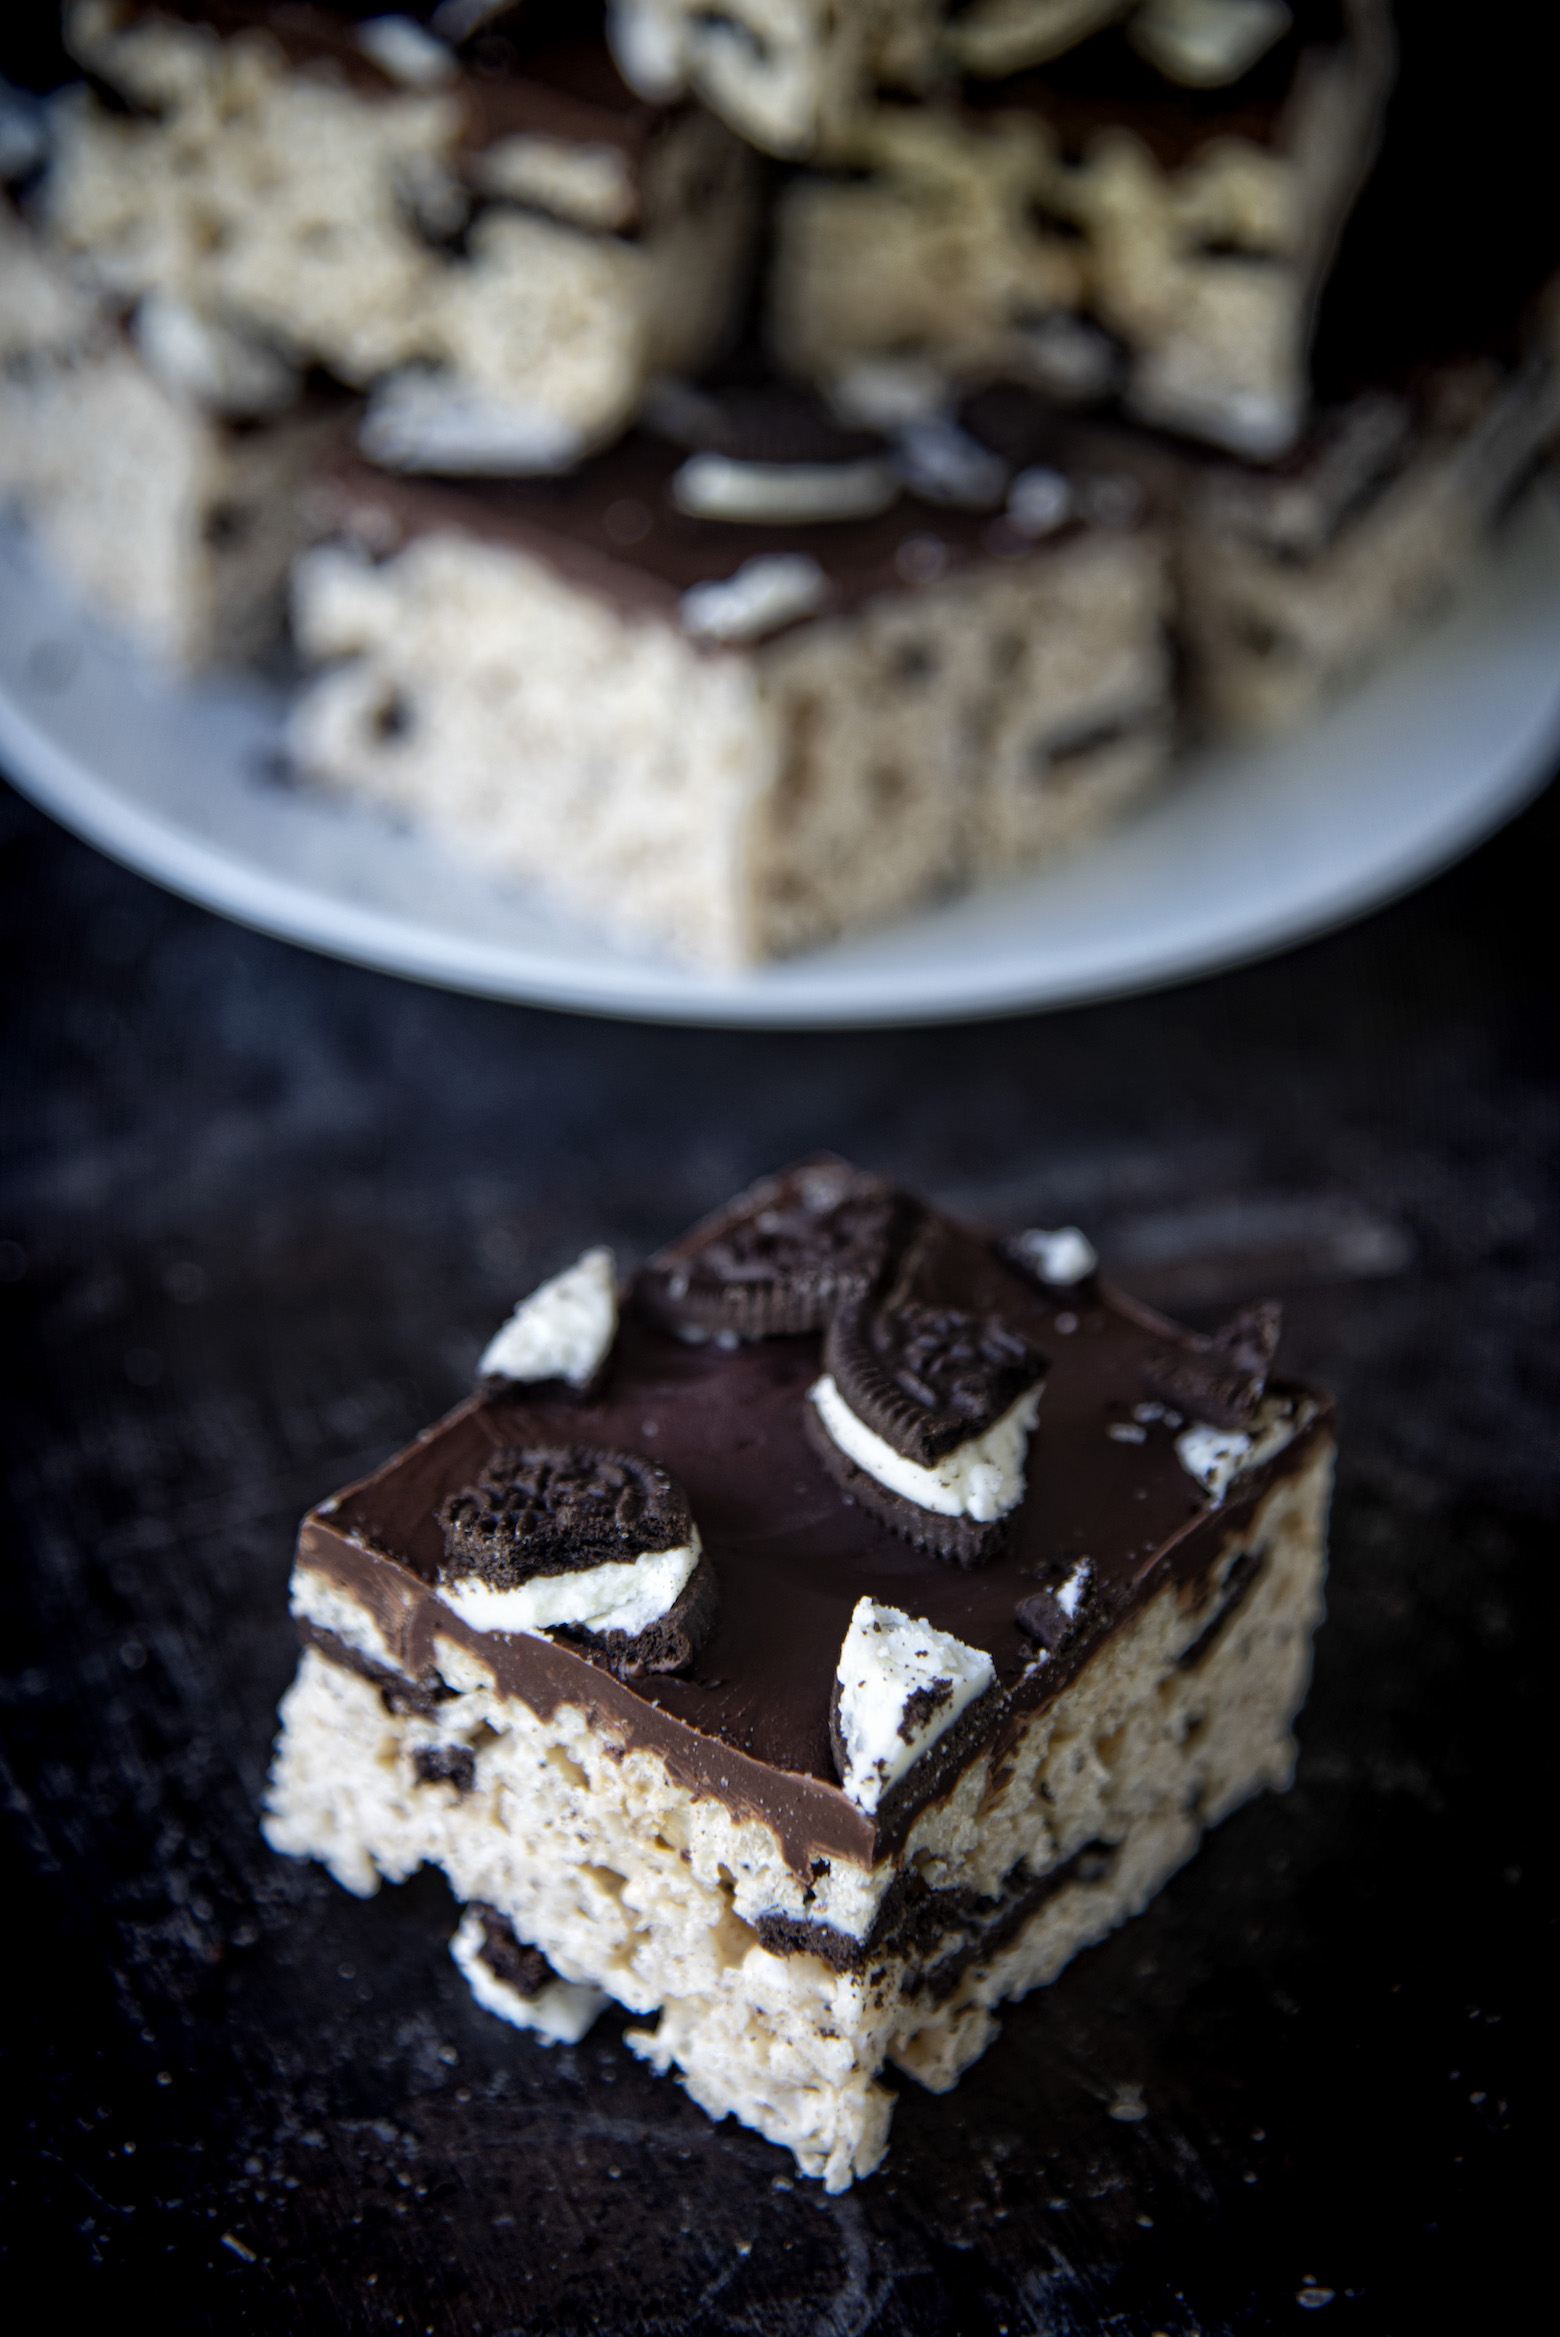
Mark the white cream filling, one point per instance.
(559, 2014)
(627, 1595)
(426, 421)
(764, 594)
(1060, 1258)
(1070, 1597)
(944, 464)
(404, 52)
(1217, 1456)
(564, 1330)
(1206, 44)
(1039, 500)
(887, 1656)
(314, 1598)
(714, 486)
(980, 1479)
(196, 357)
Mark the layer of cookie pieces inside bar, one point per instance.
(811, 1644)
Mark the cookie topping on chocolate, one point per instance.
(1048, 1616)
(926, 1378)
(900, 1685)
(783, 1256)
(560, 1509)
(1059, 1259)
(1219, 1379)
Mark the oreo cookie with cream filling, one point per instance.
(925, 1384)
(598, 1545)
(928, 1378)
(1219, 1379)
(771, 455)
(782, 1256)
(559, 1509)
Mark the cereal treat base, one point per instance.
(1295, 584)
(508, 251)
(174, 523)
(632, 1882)
(530, 693)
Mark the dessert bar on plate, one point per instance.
(734, 695)
(1095, 229)
(504, 246)
(813, 1645)
(176, 516)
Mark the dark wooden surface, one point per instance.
(258, 1210)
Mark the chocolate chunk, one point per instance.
(1219, 1379)
(961, 1541)
(927, 1378)
(446, 1765)
(524, 1969)
(667, 1645)
(558, 1509)
(1040, 1618)
(783, 1255)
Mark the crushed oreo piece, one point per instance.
(1219, 1379)
(446, 1765)
(524, 1969)
(1050, 1615)
(669, 1644)
(927, 1378)
(959, 1541)
(558, 1509)
(1041, 1619)
(783, 1255)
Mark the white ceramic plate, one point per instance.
(1248, 849)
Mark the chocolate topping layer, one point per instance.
(613, 527)
(558, 1509)
(752, 1725)
(928, 1378)
(783, 1255)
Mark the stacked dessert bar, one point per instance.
(757, 463)
(812, 1645)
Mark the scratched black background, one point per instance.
(258, 1212)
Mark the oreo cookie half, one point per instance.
(539, 1510)
(927, 1378)
(782, 1256)
(1220, 1379)
(960, 1541)
(669, 1644)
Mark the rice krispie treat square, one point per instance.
(735, 695)
(813, 1645)
(495, 236)
(1097, 228)
(175, 514)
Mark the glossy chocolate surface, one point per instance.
(793, 1558)
(612, 526)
